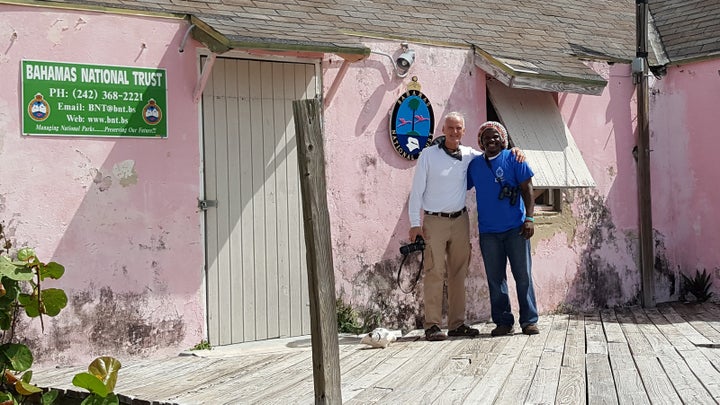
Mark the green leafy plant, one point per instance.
(99, 381)
(203, 345)
(21, 278)
(21, 282)
(351, 321)
(698, 286)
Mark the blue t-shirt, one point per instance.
(497, 185)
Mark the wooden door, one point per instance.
(255, 249)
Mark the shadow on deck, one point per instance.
(669, 354)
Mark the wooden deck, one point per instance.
(666, 355)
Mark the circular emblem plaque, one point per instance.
(412, 122)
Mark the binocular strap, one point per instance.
(417, 277)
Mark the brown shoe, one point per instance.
(434, 333)
(531, 329)
(464, 330)
(502, 330)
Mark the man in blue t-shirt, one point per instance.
(505, 205)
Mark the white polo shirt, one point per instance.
(440, 182)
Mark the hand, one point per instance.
(415, 231)
(519, 154)
(528, 230)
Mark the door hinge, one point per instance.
(205, 204)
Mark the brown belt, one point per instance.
(447, 214)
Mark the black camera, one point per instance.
(509, 192)
(419, 244)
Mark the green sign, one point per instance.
(93, 100)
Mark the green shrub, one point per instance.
(351, 321)
(698, 286)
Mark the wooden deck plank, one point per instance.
(402, 351)
(297, 384)
(702, 319)
(600, 384)
(711, 315)
(544, 387)
(638, 328)
(387, 378)
(516, 386)
(243, 382)
(691, 345)
(484, 351)
(277, 381)
(487, 389)
(688, 387)
(665, 355)
(596, 343)
(377, 367)
(692, 336)
(424, 363)
(427, 389)
(629, 385)
(571, 385)
(434, 375)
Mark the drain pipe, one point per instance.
(640, 75)
(181, 49)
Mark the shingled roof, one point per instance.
(517, 39)
(689, 29)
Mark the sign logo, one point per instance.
(152, 114)
(412, 122)
(38, 108)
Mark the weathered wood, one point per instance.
(288, 383)
(523, 372)
(600, 386)
(484, 353)
(321, 275)
(688, 387)
(544, 387)
(627, 378)
(381, 366)
(641, 332)
(633, 355)
(488, 389)
(571, 385)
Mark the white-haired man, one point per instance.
(439, 189)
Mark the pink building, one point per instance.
(196, 232)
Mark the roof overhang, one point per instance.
(535, 125)
(220, 43)
(517, 74)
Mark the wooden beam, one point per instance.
(647, 239)
(321, 275)
(336, 82)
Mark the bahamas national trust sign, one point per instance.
(69, 99)
(412, 122)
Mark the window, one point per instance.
(547, 200)
(535, 125)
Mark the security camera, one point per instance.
(405, 60)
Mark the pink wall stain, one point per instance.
(684, 166)
(119, 213)
(368, 183)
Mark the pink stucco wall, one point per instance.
(684, 142)
(119, 213)
(368, 181)
(583, 259)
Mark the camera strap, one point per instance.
(417, 277)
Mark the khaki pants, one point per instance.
(447, 250)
